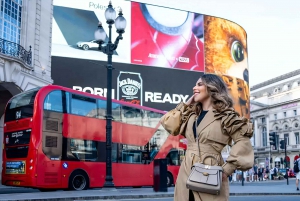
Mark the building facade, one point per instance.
(25, 49)
(275, 107)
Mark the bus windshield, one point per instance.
(21, 106)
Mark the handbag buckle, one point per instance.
(207, 166)
(205, 174)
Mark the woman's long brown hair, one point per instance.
(217, 89)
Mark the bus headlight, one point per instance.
(31, 161)
(30, 168)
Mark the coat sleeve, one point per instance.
(175, 121)
(241, 155)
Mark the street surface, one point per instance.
(252, 191)
(234, 198)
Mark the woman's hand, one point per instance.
(224, 177)
(190, 101)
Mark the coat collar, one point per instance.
(207, 120)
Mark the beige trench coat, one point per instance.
(212, 140)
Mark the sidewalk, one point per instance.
(133, 193)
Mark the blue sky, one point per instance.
(272, 26)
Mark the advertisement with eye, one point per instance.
(166, 37)
(226, 55)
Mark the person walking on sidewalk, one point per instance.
(297, 173)
(209, 121)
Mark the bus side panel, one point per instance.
(133, 174)
(80, 127)
(135, 135)
(94, 170)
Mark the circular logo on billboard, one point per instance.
(130, 90)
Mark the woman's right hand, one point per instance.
(191, 100)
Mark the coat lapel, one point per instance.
(208, 119)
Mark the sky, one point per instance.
(272, 26)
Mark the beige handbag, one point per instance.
(205, 178)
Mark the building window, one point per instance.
(284, 114)
(295, 112)
(264, 135)
(286, 137)
(263, 120)
(10, 20)
(297, 137)
(275, 116)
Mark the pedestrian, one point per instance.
(230, 178)
(209, 121)
(251, 174)
(255, 172)
(275, 170)
(272, 173)
(234, 175)
(298, 174)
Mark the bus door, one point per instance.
(50, 166)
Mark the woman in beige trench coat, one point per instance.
(219, 126)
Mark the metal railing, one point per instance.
(15, 50)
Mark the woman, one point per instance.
(217, 125)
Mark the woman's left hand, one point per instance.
(224, 177)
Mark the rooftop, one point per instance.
(276, 79)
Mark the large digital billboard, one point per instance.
(159, 60)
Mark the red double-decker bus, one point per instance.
(54, 138)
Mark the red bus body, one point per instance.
(40, 170)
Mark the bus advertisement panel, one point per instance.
(156, 65)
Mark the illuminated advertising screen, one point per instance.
(163, 53)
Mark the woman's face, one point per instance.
(200, 92)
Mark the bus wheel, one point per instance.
(169, 179)
(78, 181)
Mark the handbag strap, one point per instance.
(198, 142)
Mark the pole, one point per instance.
(109, 178)
(286, 169)
(270, 177)
(242, 178)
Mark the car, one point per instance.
(92, 44)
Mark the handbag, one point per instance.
(205, 178)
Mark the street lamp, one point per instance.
(109, 48)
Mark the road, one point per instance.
(234, 198)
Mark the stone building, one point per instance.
(25, 49)
(275, 107)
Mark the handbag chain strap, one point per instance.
(198, 139)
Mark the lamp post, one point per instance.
(108, 49)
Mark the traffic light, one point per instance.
(282, 144)
(272, 138)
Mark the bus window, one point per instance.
(83, 106)
(82, 150)
(131, 115)
(116, 113)
(151, 119)
(101, 109)
(21, 106)
(175, 157)
(53, 101)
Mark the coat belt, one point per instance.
(203, 148)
